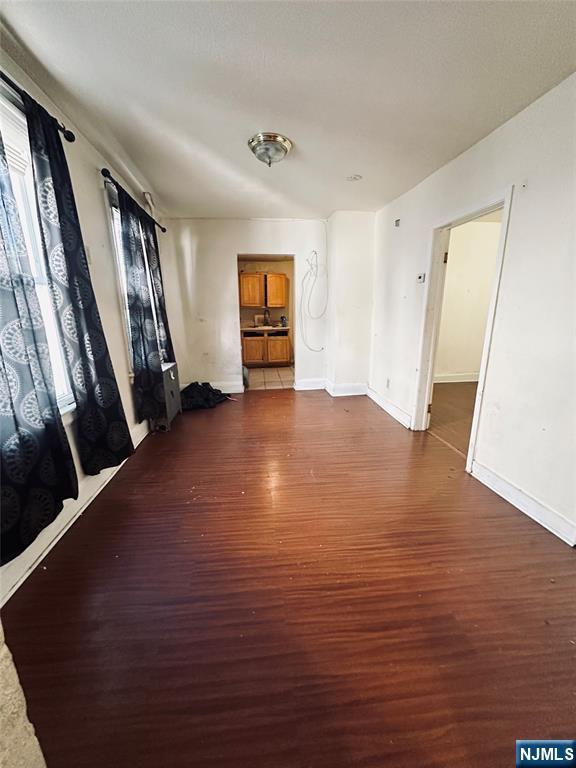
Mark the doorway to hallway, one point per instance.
(469, 270)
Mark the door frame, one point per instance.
(433, 308)
(272, 257)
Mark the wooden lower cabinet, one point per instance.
(266, 349)
(253, 350)
(278, 349)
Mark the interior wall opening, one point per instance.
(267, 320)
(470, 270)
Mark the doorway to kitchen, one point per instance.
(462, 298)
(266, 299)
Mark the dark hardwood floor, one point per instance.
(296, 581)
(452, 411)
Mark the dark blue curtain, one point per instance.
(152, 253)
(103, 435)
(37, 469)
(148, 387)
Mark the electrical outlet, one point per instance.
(421, 278)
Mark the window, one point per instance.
(15, 135)
(117, 233)
(120, 264)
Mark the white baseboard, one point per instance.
(450, 378)
(345, 390)
(397, 413)
(231, 387)
(304, 384)
(15, 573)
(553, 521)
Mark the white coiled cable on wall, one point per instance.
(308, 286)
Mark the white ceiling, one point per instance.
(389, 90)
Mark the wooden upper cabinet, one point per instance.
(252, 289)
(276, 290)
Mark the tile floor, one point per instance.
(271, 378)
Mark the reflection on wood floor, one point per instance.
(293, 580)
(452, 411)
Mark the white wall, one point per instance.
(85, 164)
(527, 428)
(351, 263)
(470, 272)
(199, 266)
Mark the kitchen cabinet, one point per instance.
(266, 346)
(276, 290)
(253, 349)
(252, 289)
(263, 289)
(278, 349)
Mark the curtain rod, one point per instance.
(109, 178)
(68, 135)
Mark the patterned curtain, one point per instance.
(151, 244)
(103, 435)
(37, 467)
(149, 396)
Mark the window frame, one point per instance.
(116, 237)
(16, 143)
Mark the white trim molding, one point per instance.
(553, 521)
(302, 385)
(450, 378)
(346, 390)
(391, 409)
(231, 387)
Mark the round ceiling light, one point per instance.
(270, 147)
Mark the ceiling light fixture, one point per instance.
(270, 147)
(354, 177)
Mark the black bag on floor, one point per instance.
(197, 395)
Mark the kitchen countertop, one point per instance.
(265, 328)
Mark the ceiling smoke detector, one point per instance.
(270, 147)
